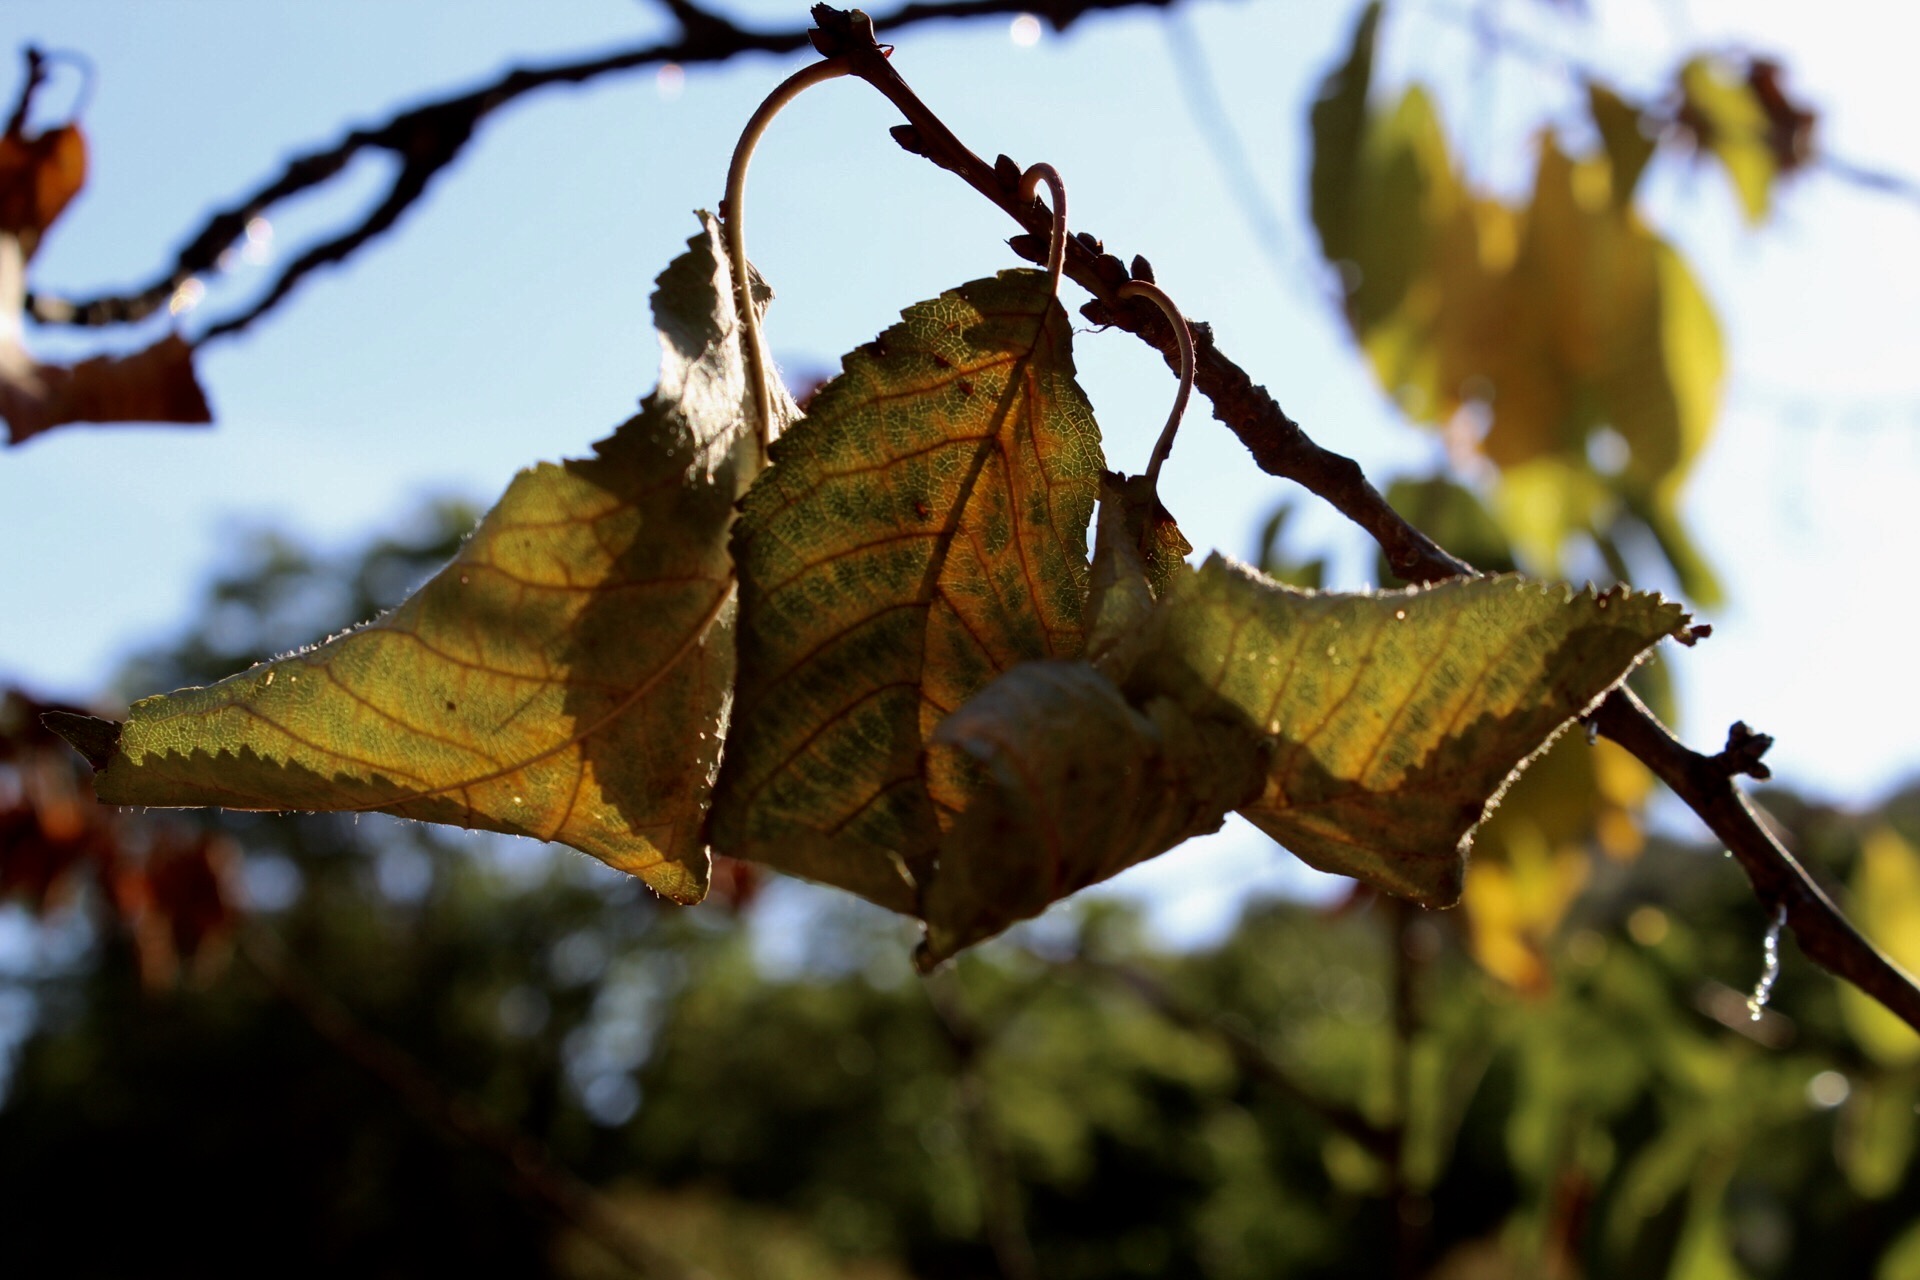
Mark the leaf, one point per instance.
(1453, 516)
(1886, 905)
(1338, 123)
(1139, 554)
(1396, 718)
(157, 384)
(921, 531)
(564, 678)
(1730, 120)
(39, 176)
(1627, 145)
(154, 385)
(1077, 786)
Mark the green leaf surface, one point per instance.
(1395, 718)
(564, 678)
(920, 532)
(1078, 786)
(1339, 124)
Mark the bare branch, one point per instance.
(427, 138)
(1706, 784)
(1281, 448)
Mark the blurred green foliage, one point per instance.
(769, 1092)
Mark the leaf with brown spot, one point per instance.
(920, 532)
(565, 677)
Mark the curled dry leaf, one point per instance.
(565, 677)
(1067, 783)
(920, 532)
(38, 176)
(1074, 785)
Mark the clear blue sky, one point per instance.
(506, 320)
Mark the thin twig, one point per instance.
(1276, 441)
(1706, 784)
(532, 1169)
(1281, 448)
(425, 139)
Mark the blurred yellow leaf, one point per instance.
(1627, 145)
(1729, 119)
(1886, 907)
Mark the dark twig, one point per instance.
(1281, 448)
(1823, 932)
(534, 1171)
(427, 138)
(1276, 441)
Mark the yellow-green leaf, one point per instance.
(1075, 786)
(920, 532)
(1886, 904)
(1730, 121)
(1396, 718)
(564, 678)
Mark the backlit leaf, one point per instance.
(1396, 718)
(1730, 121)
(564, 678)
(920, 532)
(1078, 786)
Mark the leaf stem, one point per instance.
(758, 368)
(1057, 242)
(1183, 337)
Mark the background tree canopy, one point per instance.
(338, 1032)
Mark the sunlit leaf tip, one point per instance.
(564, 678)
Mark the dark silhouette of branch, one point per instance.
(533, 1171)
(1281, 448)
(1706, 784)
(425, 139)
